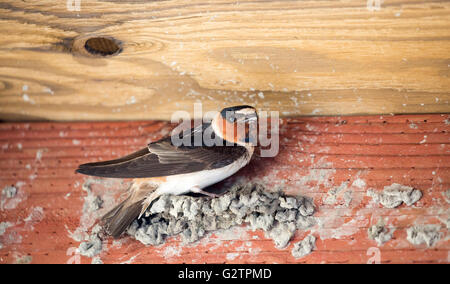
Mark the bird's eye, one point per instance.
(232, 119)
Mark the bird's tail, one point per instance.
(117, 220)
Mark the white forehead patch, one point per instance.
(246, 111)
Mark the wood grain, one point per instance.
(317, 155)
(297, 57)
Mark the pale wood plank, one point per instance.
(297, 57)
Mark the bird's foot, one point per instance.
(201, 191)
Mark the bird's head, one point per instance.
(237, 124)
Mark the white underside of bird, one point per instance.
(192, 182)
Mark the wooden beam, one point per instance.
(296, 57)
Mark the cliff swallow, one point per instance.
(165, 168)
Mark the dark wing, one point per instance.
(162, 158)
